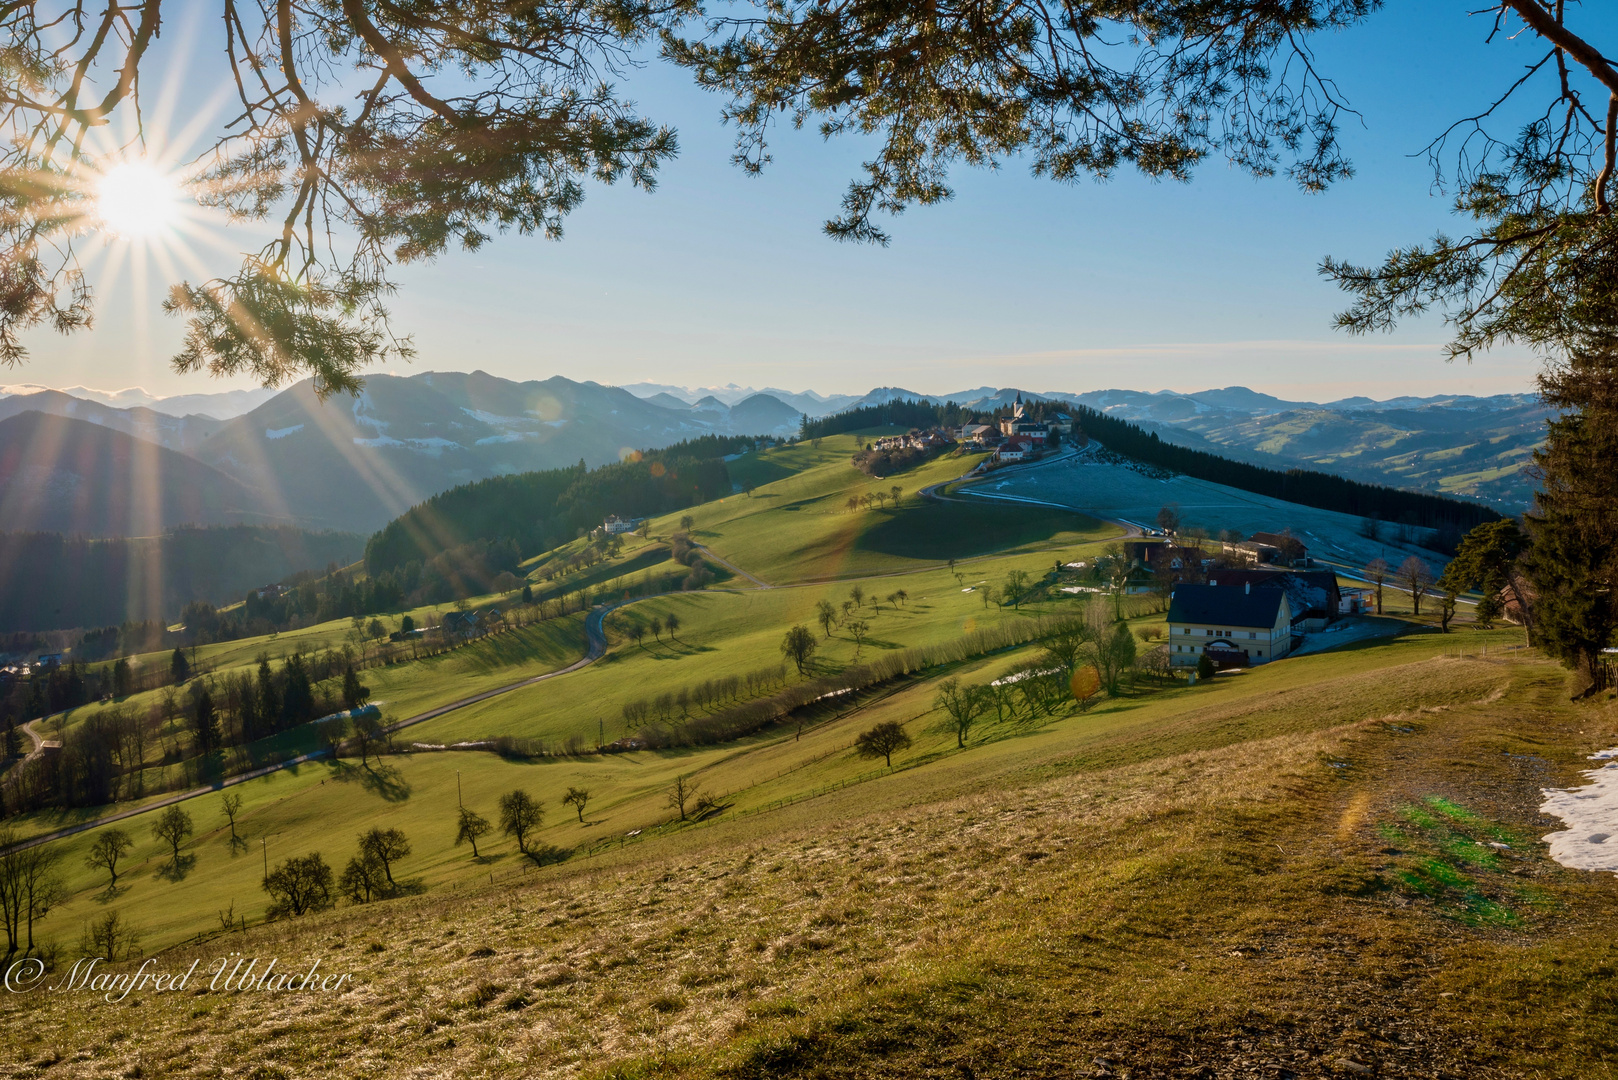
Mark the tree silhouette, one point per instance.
(576, 798)
(469, 827)
(883, 741)
(799, 647)
(105, 852)
(520, 815)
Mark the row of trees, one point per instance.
(876, 497)
(1080, 658)
(709, 696)
(747, 716)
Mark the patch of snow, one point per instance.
(282, 432)
(510, 436)
(555, 423)
(1081, 589)
(1590, 842)
(494, 419)
(1021, 675)
(362, 412)
(380, 440)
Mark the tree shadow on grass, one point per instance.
(547, 854)
(678, 651)
(177, 869)
(378, 778)
(111, 894)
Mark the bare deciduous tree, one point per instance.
(1377, 571)
(520, 815)
(577, 797)
(799, 646)
(1417, 578)
(110, 937)
(230, 803)
(172, 827)
(682, 792)
(386, 846)
(470, 827)
(882, 741)
(109, 847)
(299, 886)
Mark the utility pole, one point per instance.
(458, 802)
(264, 843)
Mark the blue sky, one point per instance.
(719, 277)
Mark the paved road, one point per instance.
(41, 744)
(593, 630)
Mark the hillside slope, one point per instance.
(77, 582)
(175, 432)
(356, 463)
(1235, 880)
(71, 476)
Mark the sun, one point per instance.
(135, 200)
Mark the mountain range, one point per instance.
(349, 463)
(74, 463)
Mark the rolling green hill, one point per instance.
(1287, 869)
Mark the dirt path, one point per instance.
(732, 567)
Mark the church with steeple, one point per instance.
(1020, 424)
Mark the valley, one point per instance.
(1091, 866)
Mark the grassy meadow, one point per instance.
(1277, 872)
(796, 525)
(1293, 870)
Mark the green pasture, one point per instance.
(324, 806)
(732, 632)
(796, 525)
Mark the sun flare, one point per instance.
(136, 200)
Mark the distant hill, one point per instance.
(1455, 444)
(175, 432)
(72, 476)
(219, 405)
(357, 463)
(349, 463)
(77, 582)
